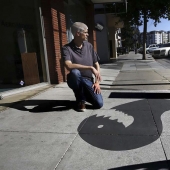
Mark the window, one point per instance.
(20, 32)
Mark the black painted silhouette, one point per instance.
(104, 133)
(160, 165)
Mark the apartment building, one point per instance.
(156, 37)
(168, 36)
(164, 37)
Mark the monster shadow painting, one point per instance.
(126, 126)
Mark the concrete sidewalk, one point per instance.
(131, 131)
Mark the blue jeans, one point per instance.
(82, 88)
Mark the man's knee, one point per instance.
(98, 105)
(73, 79)
(75, 72)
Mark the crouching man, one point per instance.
(82, 61)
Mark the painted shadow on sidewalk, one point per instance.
(126, 126)
(160, 165)
(139, 95)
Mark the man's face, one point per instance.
(84, 35)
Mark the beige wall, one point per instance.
(113, 23)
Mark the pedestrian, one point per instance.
(82, 63)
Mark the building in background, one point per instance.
(164, 37)
(109, 37)
(156, 37)
(168, 32)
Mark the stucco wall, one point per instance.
(102, 39)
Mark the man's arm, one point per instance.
(69, 65)
(97, 67)
(96, 85)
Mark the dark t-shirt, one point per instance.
(84, 56)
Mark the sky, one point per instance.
(163, 25)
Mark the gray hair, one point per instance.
(78, 27)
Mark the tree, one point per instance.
(139, 12)
(130, 35)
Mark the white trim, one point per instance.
(44, 43)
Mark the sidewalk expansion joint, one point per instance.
(6, 131)
(158, 131)
(110, 134)
(66, 151)
(70, 145)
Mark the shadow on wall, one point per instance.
(127, 127)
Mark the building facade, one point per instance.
(108, 39)
(164, 37)
(157, 37)
(32, 34)
(168, 36)
(154, 37)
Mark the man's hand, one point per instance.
(97, 74)
(96, 87)
(69, 65)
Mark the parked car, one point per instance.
(159, 46)
(163, 51)
(151, 47)
(140, 50)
